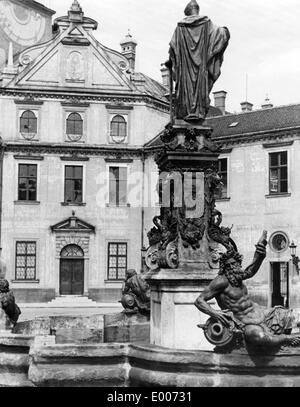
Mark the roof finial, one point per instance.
(75, 12)
(73, 213)
(76, 6)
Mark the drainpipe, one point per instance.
(143, 215)
(2, 147)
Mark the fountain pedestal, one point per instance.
(174, 317)
(183, 254)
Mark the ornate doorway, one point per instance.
(72, 271)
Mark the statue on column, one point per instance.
(240, 317)
(196, 56)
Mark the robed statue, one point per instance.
(196, 56)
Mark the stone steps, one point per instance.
(72, 301)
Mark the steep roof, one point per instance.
(263, 120)
(150, 86)
(37, 5)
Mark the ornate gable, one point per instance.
(73, 59)
(73, 224)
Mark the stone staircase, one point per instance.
(72, 301)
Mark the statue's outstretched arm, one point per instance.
(259, 256)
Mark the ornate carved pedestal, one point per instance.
(183, 256)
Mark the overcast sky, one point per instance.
(264, 41)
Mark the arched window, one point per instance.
(118, 129)
(75, 124)
(72, 251)
(28, 122)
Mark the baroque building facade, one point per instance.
(75, 116)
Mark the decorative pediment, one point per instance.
(73, 224)
(73, 58)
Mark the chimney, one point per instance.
(246, 107)
(220, 100)
(267, 104)
(165, 73)
(128, 46)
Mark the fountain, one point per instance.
(184, 261)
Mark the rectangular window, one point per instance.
(223, 172)
(25, 261)
(73, 184)
(27, 184)
(117, 261)
(118, 186)
(278, 173)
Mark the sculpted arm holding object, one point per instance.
(260, 326)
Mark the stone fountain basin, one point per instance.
(41, 362)
(75, 355)
(136, 365)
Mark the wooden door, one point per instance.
(71, 277)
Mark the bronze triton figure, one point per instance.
(196, 57)
(135, 294)
(260, 327)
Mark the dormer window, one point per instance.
(118, 129)
(28, 124)
(74, 126)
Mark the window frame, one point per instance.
(18, 182)
(118, 243)
(26, 242)
(79, 135)
(36, 109)
(64, 184)
(117, 165)
(279, 168)
(82, 111)
(125, 113)
(227, 197)
(124, 122)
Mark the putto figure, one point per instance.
(196, 56)
(135, 294)
(261, 327)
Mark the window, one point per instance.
(118, 186)
(117, 261)
(223, 172)
(27, 186)
(28, 123)
(118, 129)
(25, 261)
(278, 173)
(73, 184)
(279, 242)
(75, 125)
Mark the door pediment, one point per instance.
(73, 224)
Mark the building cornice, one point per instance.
(275, 136)
(83, 96)
(70, 152)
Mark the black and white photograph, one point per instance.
(149, 196)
